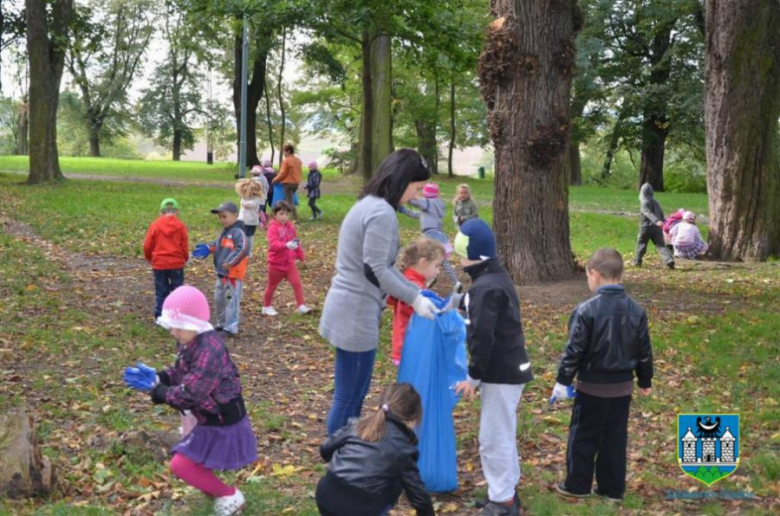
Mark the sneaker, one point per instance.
(303, 310)
(322, 214)
(670, 265)
(636, 264)
(269, 310)
(229, 505)
(481, 503)
(497, 509)
(596, 491)
(563, 491)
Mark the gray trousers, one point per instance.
(227, 300)
(498, 439)
(656, 235)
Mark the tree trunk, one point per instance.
(741, 110)
(450, 170)
(651, 167)
(382, 85)
(281, 100)
(367, 118)
(575, 163)
(47, 59)
(177, 145)
(22, 122)
(268, 122)
(526, 70)
(614, 139)
(23, 471)
(254, 94)
(94, 141)
(426, 140)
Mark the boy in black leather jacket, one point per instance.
(608, 343)
(370, 462)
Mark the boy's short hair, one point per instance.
(282, 206)
(607, 262)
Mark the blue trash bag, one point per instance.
(279, 194)
(433, 361)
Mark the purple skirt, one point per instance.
(220, 447)
(691, 251)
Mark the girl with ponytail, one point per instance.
(372, 460)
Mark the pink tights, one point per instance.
(199, 477)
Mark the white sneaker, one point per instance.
(269, 310)
(229, 505)
(303, 310)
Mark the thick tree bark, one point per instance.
(281, 99)
(450, 170)
(741, 110)
(382, 85)
(23, 470)
(526, 70)
(22, 123)
(47, 59)
(94, 141)
(367, 117)
(255, 90)
(426, 140)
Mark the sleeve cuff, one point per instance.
(164, 378)
(564, 380)
(473, 382)
(645, 383)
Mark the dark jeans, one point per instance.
(656, 235)
(337, 498)
(598, 433)
(289, 191)
(165, 282)
(352, 378)
(315, 212)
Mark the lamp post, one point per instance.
(244, 72)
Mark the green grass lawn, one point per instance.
(65, 341)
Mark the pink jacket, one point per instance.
(279, 257)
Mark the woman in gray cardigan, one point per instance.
(365, 275)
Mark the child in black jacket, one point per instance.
(498, 364)
(608, 343)
(371, 462)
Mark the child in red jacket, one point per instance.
(166, 247)
(283, 251)
(421, 263)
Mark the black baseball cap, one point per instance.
(226, 206)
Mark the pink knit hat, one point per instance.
(689, 215)
(313, 165)
(266, 163)
(431, 190)
(257, 170)
(186, 308)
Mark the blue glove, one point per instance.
(562, 392)
(201, 251)
(143, 377)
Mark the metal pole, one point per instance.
(244, 73)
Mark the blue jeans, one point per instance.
(352, 378)
(165, 282)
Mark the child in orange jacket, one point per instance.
(420, 263)
(166, 247)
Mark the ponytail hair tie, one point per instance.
(385, 407)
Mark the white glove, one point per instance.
(292, 245)
(454, 302)
(424, 307)
(562, 392)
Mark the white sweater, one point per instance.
(684, 234)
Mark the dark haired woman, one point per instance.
(365, 275)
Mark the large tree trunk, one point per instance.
(575, 163)
(22, 122)
(526, 70)
(450, 171)
(23, 471)
(177, 145)
(651, 168)
(365, 154)
(741, 110)
(254, 94)
(426, 141)
(382, 85)
(47, 59)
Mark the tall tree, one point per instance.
(742, 107)
(47, 37)
(169, 107)
(526, 70)
(109, 39)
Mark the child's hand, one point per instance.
(225, 265)
(562, 392)
(465, 388)
(645, 392)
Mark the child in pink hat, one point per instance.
(203, 381)
(313, 190)
(431, 215)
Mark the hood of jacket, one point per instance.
(646, 192)
(169, 225)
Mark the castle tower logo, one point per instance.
(708, 445)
